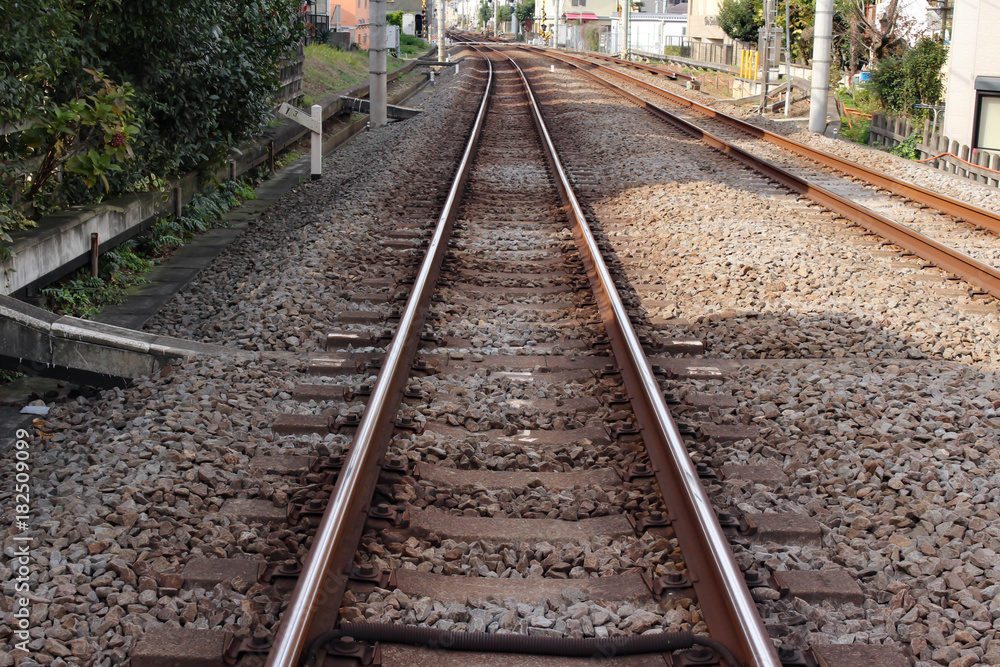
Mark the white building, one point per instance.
(972, 103)
(654, 33)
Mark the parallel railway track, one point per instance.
(860, 197)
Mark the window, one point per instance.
(987, 133)
(986, 125)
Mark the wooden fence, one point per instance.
(292, 75)
(937, 150)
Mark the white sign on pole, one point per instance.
(409, 24)
(300, 117)
(314, 123)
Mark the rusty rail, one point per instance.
(729, 610)
(314, 603)
(960, 209)
(973, 271)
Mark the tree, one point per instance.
(868, 36)
(485, 13)
(923, 71)
(504, 13)
(119, 93)
(525, 11)
(394, 18)
(741, 19)
(205, 73)
(802, 17)
(38, 45)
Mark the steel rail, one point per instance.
(971, 270)
(344, 512)
(949, 205)
(659, 71)
(722, 593)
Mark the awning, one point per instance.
(580, 17)
(988, 83)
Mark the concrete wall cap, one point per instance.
(23, 319)
(65, 328)
(173, 352)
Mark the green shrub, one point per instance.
(914, 78)
(860, 131)
(115, 95)
(907, 148)
(82, 295)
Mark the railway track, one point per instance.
(515, 271)
(836, 407)
(956, 236)
(532, 493)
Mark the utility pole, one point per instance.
(823, 38)
(377, 95)
(496, 18)
(555, 40)
(442, 53)
(621, 26)
(626, 9)
(788, 61)
(771, 47)
(628, 29)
